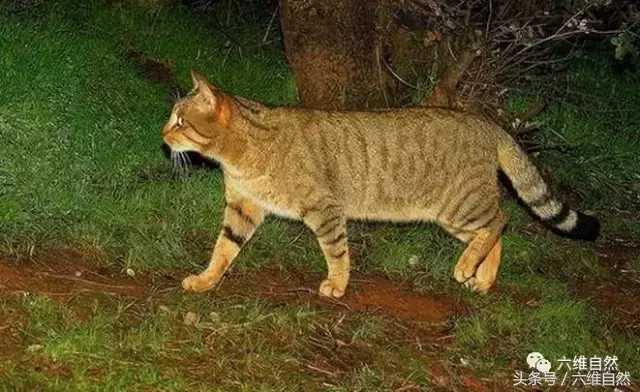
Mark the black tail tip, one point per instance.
(587, 228)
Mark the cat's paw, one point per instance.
(464, 271)
(484, 277)
(478, 285)
(198, 283)
(331, 289)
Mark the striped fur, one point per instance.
(325, 167)
(532, 189)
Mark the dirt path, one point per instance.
(68, 272)
(79, 277)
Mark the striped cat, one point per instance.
(325, 167)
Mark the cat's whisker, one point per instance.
(179, 168)
(184, 166)
(175, 164)
(183, 163)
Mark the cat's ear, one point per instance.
(203, 87)
(197, 79)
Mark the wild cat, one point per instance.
(325, 167)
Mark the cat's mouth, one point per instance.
(175, 145)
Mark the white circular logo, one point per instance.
(532, 358)
(543, 366)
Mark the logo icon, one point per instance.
(535, 360)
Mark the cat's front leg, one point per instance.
(241, 219)
(329, 224)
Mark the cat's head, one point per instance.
(198, 120)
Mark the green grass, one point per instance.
(235, 345)
(79, 126)
(593, 114)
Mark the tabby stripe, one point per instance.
(476, 215)
(444, 198)
(238, 210)
(304, 211)
(364, 152)
(384, 155)
(461, 181)
(453, 152)
(316, 149)
(380, 190)
(244, 105)
(231, 236)
(192, 139)
(350, 145)
(336, 240)
(421, 137)
(454, 209)
(339, 255)
(189, 123)
(321, 233)
(450, 191)
(454, 230)
(257, 125)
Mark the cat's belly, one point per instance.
(386, 213)
(269, 196)
(276, 209)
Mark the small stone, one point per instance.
(414, 260)
(215, 317)
(78, 274)
(341, 343)
(33, 348)
(190, 318)
(131, 272)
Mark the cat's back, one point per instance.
(377, 125)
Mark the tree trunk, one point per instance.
(330, 44)
(371, 54)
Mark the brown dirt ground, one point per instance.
(422, 320)
(78, 277)
(67, 272)
(10, 326)
(374, 295)
(62, 273)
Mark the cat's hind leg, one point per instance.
(241, 219)
(478, 265)
(487, 271)
(329, 224)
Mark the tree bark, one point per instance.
(330, 44)
(371, 54)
